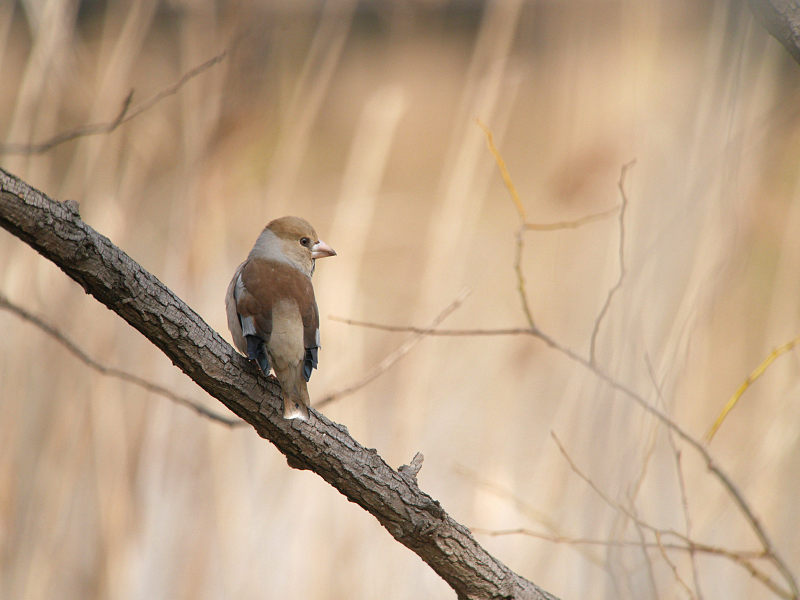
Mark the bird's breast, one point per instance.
(286, 341)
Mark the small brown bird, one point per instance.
(272, 313)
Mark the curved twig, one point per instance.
(124, 115)
(76, 351)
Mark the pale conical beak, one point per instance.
(321, 250)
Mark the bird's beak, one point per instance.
(321, 250)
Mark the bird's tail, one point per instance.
(293, 408)
(295, 392)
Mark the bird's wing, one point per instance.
(310, 314)
(234, 323)
(264, 283)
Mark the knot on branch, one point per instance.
(73, 207)
(410, 470)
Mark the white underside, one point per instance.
(286, 340)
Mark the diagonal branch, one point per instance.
(730, 487)
(782, 19)
(621, 251)
(410, 515)
(751, 378)
(679, 472)
(71, 134)
(154, 388)
(688, 546)
(740, 558)
(124, 115)
(520, 245)
(390, 359)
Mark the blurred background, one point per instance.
(361, 117)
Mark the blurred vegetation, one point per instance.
(361, 117)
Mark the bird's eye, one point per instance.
(305, 241)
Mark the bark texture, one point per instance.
(782, 19)
(411, 516)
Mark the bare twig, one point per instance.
(632, 500)
(520, 245)
(642, 535)
(175, 87)
(727, 483)
(525, 508)
(574, 224)
(523, 294)
(525, 226)
(391, 358)
(757, 372)
(477, 479)
(123, 116)
(412, 469)
(501, 164)
(742, 559)
(154, 388)
(686, 517)
(434, 331)
(722, 477)
(618, 284)
(66, 136)
(591, 365)
(663, 550)
(679, 471)
(692, 546)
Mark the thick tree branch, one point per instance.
(782, 19)
(413, 518)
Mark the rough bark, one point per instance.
(411, 516)
(782, 19)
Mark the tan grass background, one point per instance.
(361, 117)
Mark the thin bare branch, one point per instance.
(618, 284)
(558, 225)
(175, 87)
(757, 372)
(524, 507)
(523, 294)
(642, 535)
(686, 516)
(679, 471)
(149, 386)
(521, 504)
(632, 496)
(501, 164)
(66, 136)
(525, 226)
(434, 331)
(394, 356)
(124, 115)
(676, 574)
(731, 488)
(692, 546)
(591, 365)
(520, 244)
(722, 477)
(740, 558)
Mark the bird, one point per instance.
(271, 309)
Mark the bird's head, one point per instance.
(295, 239)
